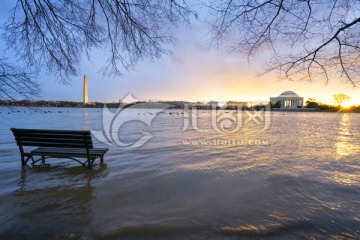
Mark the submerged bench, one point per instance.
(70, 144)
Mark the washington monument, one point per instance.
(86, 97)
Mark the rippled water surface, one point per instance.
(298, 179)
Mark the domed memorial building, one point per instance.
(287, 99)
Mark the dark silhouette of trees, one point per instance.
(311, 103)
(309, 40)
(339, 98)
(54, 35)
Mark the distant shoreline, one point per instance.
(162, 105)
(316, 110)
(152, 106)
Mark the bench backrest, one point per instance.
(53, 138)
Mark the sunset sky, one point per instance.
(195, 71)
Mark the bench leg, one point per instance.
(42, 159)
(89, 164)
(23, 160)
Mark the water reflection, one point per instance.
(86, 118)
(344, 145)
(47, 196)
(347, 178)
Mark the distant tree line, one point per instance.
(140, 104)
(339, 98)
(43, 103)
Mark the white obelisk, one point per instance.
(86, 97)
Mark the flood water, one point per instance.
(297, 179)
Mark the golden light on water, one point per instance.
(347, 178)
(346, 146)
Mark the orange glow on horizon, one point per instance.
(349, 103)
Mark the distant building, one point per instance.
(213, 104)
(200, 105)
(287, 99)
(233, 104)
(173, 104)
(209, 105)
(86, 94)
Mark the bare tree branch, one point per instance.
(310, 40)
(16, 82)
(54, 35)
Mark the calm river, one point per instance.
(297, 179)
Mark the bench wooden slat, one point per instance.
(54, 140)
(69, 151)
(47, 135)
(76, 132)
(53, 144)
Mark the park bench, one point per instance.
(70, 144)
